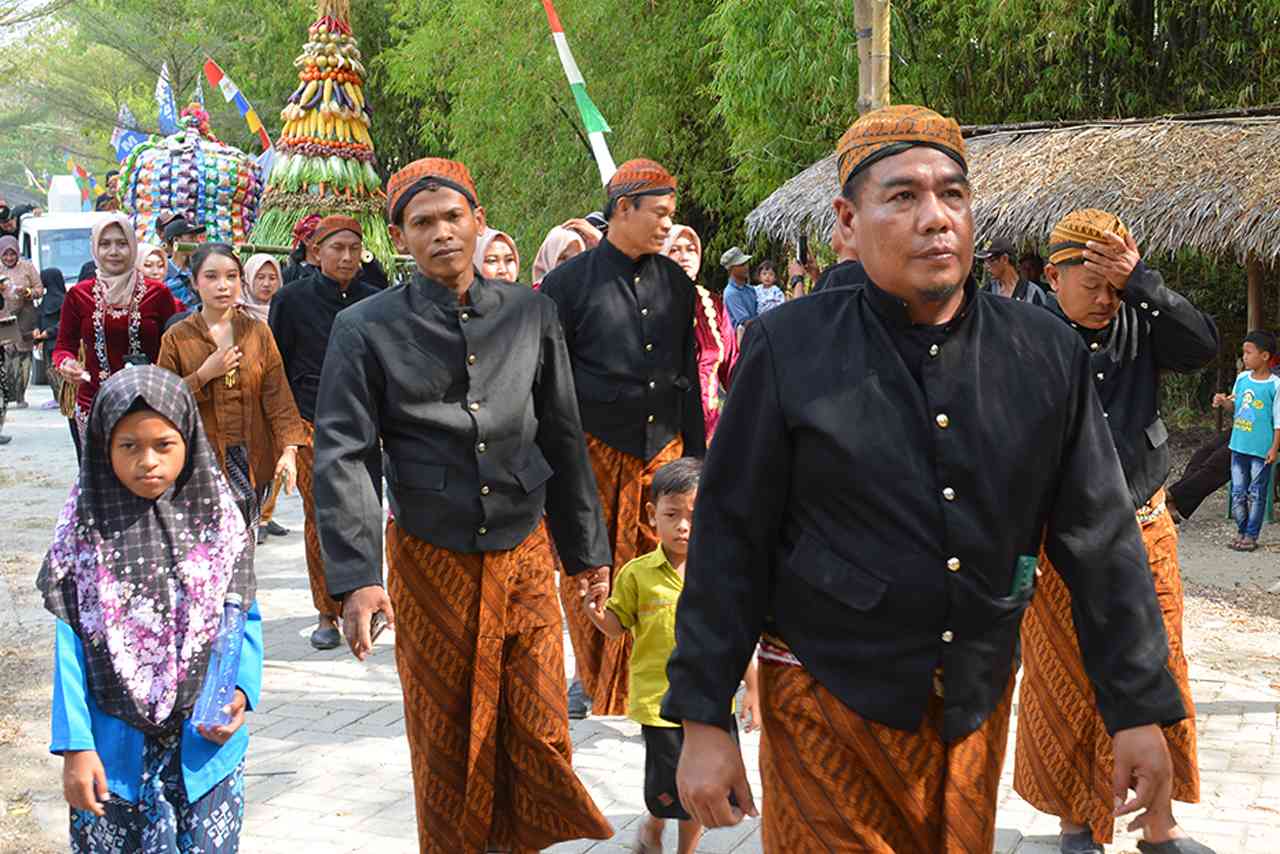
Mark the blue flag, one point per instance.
(168, 117)
(125, 138)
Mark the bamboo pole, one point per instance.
(881, 44)
(862, 29)
(1256, 273)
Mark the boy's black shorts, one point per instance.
(661, 757)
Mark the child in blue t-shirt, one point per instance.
(1255, 436)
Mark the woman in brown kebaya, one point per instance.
(230, 361)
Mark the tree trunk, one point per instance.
(862, 29)
(1256, 275)
(881, 44)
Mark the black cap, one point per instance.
(179, 227)
(999, 246)
(597, 219)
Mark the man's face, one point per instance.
(644, 221)
(911, 224)
(439, 230)
(1086, 297)
(340, 256)
(113, 184)
(998, 266)
(739, 273)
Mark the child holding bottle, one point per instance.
(148, 551)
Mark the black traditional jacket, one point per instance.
(475, 410)
(870, 491)
(1157, 329)
(301, 318)
(629, 327)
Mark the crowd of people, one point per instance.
(889, 502)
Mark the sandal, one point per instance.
(1247, 545)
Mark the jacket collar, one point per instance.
(894, 310)
(482, 296)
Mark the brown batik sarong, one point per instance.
(481, 659)
(837, 782)
(623, 482)
(1064, 757)
(325, 605)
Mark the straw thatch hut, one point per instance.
(1209, 182)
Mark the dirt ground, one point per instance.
(1231, 625)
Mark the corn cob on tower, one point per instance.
(324, 156)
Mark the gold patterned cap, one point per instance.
(891, 130)
(1073, 231)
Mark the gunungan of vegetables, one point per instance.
(325, 143)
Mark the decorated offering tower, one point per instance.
(324, 157)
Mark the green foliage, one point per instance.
(496, 98)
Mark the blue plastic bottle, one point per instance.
(224, 665)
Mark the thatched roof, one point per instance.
(1209, 184)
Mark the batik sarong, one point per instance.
(837, 782)
(623, 482)
(480, 653)
(163, 821)
(1064, 759)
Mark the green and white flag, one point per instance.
(594, 122)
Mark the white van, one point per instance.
(60, 237)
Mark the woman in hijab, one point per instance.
(561, 245)
(496, 256)
(717, 343)
(152, 262)
(229, 360)
(112, 320)
(148, 549)
(20, 291)
(262, 280)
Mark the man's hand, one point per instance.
(84, 780)
(358, 608)
(1143, 764)
(1114, 257)
(592, 577)
(750, 711)
(222, 734)
(597, 595)
(710, 770)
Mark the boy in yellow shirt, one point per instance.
(643, 601)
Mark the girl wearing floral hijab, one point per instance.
(148, 547)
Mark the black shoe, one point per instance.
(326, 639)
(4, 440)
(1079, 843)
(579, 707)
(1185, 845)
(275, 529)
(262, 535)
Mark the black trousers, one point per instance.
(1208, 471)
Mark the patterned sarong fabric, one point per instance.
(837, 782)
(1064, 760)
(623, 482)
(481, 661)
(310, 533)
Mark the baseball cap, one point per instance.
(999, 246)
(179, 227)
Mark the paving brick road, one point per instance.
(328, 764)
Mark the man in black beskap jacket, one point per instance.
(872, 511)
